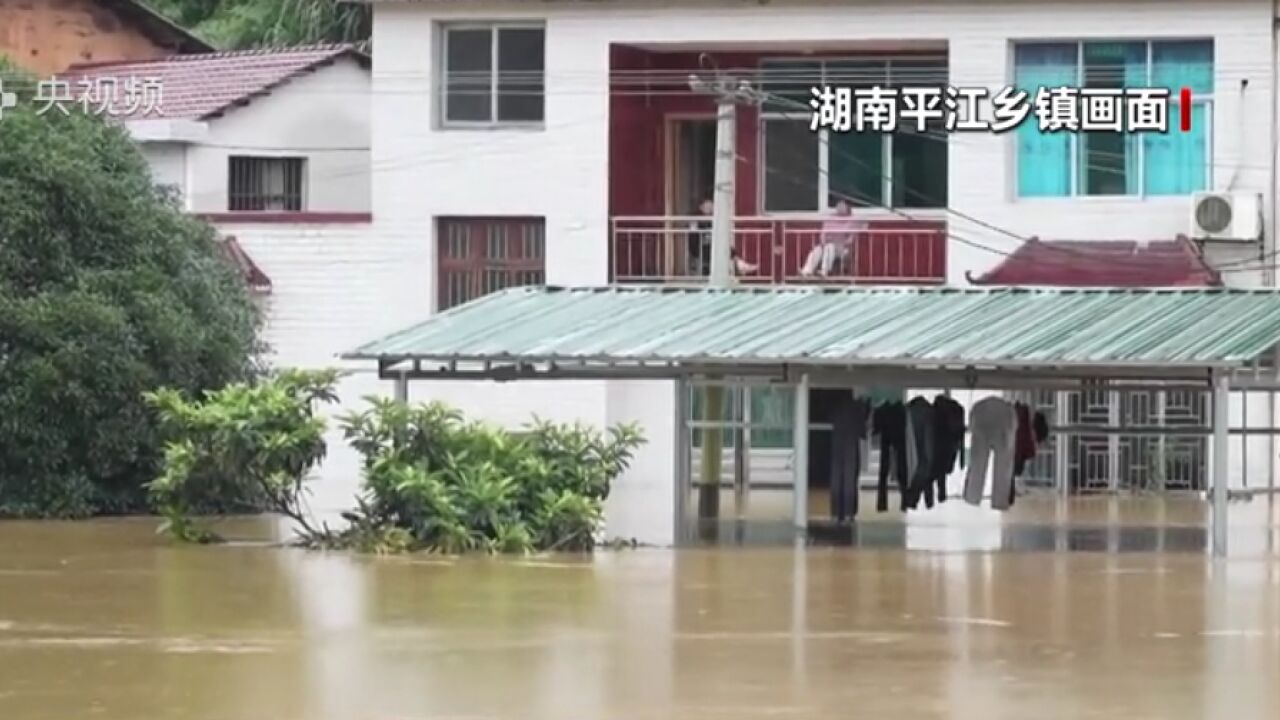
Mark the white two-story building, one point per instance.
(273, 147)
(562, 143)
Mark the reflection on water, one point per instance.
(104, 619)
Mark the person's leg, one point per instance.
(811, 261)
(828, 258)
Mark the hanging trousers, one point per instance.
(949, 430)
(891, 426)
(923, 440)
(848, 427)
(994, 424)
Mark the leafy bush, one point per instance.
(249, 444)
(436, 481)
(107, 290)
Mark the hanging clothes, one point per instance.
(1041, 427)
(848, 428)
(889, 422)
(1033, 431)
(1025, 445)
(948, 433)
(921, 460)
(994, 423)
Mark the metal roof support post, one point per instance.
(684, 460)
(800, 460)
(402, 387)
(1221, 422)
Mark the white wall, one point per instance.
(561, 171)
(333, 288)
(323, 116)
(168, 163)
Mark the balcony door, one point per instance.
(691, 162)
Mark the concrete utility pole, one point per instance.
(729, 93)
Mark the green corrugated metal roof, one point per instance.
(881, 326)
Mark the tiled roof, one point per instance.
(195, 87)
(1088, 263)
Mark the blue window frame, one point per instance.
(1064, 164)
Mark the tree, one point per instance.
(107, 290)
(238, 24)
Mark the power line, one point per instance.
(957, 213)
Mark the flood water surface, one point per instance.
(106, 620)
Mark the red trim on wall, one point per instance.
(310, 218)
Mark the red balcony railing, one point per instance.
(772, 250)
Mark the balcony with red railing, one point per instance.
(780, 250)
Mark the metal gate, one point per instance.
(1137, 462)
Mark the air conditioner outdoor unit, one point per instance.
(1235, 217)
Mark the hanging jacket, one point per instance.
(1025, 447)
(1041, 428)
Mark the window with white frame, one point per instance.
(492, 74)
(1064, 164)
(266, 183)
(803, 171)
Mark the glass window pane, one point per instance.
(1176, 163)
(919, 169)
(790, 166)
(772, 417)
(793, 81)
(521, 58)
(1183, 63)
(856, 73)
(468, 75)
(1037, 65)
(1044, 158)
(918, 72)
(1115, 64)
(1109, 163)
(855, 167)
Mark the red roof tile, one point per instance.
(1110, 263)
(253, 275)
(195, 87)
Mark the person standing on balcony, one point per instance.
(700, 246)
(835, 241)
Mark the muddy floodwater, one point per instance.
(106, 620)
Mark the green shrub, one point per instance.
(433, 480)
(248, 444)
